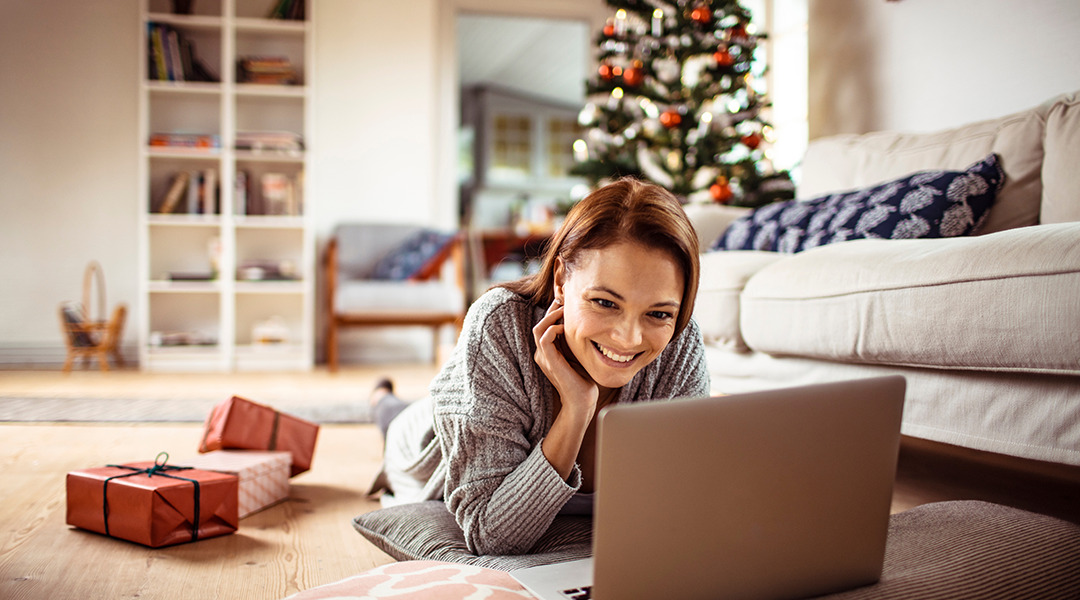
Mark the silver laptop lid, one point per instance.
(777, 494)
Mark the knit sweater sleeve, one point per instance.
(492, 409)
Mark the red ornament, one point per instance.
(606, 71)
(702, 15)
(609, 30)
(670, 119)
(724, 58)
(635, 75)
(721, 191)
(751, 141)
(737, 32)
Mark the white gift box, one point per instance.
(264, 476)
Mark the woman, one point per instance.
(507, 436)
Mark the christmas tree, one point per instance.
(678, 100)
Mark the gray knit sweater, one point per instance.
(476, 440)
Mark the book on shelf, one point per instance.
(274, 141)
(240, 193)
(275, 70)
(171, 56)
(171, 200)
(192, 192)
(198, 141)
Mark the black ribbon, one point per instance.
(159, 468)
(272, 445)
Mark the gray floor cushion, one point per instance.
(963, 549)
(427, 531)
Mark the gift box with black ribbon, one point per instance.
(153, 503)
(240, 424)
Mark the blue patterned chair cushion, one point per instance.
(927, 204)
(408, 258)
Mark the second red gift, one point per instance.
(240, 424)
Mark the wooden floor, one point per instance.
(308, 540)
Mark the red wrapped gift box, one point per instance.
(240, 424)
(153, 504)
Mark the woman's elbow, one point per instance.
(483, 543)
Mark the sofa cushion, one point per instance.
(845, 162)
(711, 220)
(925, 204)
(1061, 186)
(999, 302)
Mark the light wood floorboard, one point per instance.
(307, 540)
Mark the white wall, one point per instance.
(384, 110)
(918, 65)
(68, 107)
(384, 115)
(375, 111)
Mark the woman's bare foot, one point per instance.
(383, 387)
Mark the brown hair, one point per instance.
(626, 210)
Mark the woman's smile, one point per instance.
(614, 356)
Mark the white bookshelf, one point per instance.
(195, 317)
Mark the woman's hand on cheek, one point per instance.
(577, 393)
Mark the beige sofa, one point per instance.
(986, 328)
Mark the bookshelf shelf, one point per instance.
(182, 87)
(191, 22)
(169, 220)
(271, 90)
(271, 26)
(184, 287)
(226, 238)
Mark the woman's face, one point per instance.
(620, 304)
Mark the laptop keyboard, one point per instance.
(582, 593)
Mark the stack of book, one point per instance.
(171, 56)
(195, 141)
(276, 70)
(275, 141)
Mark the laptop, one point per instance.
(776, 494)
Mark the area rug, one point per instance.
(185, 410)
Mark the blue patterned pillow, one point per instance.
(927, 204)
(407, 259)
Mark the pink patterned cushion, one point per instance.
(422, 580)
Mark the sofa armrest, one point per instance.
(711, 220)
(723, 277)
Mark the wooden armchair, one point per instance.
(362, 292)
(85, 336)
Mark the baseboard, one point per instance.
(41, 356)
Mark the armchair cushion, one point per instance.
(927, 204)
(409, 258)
(397, 297)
